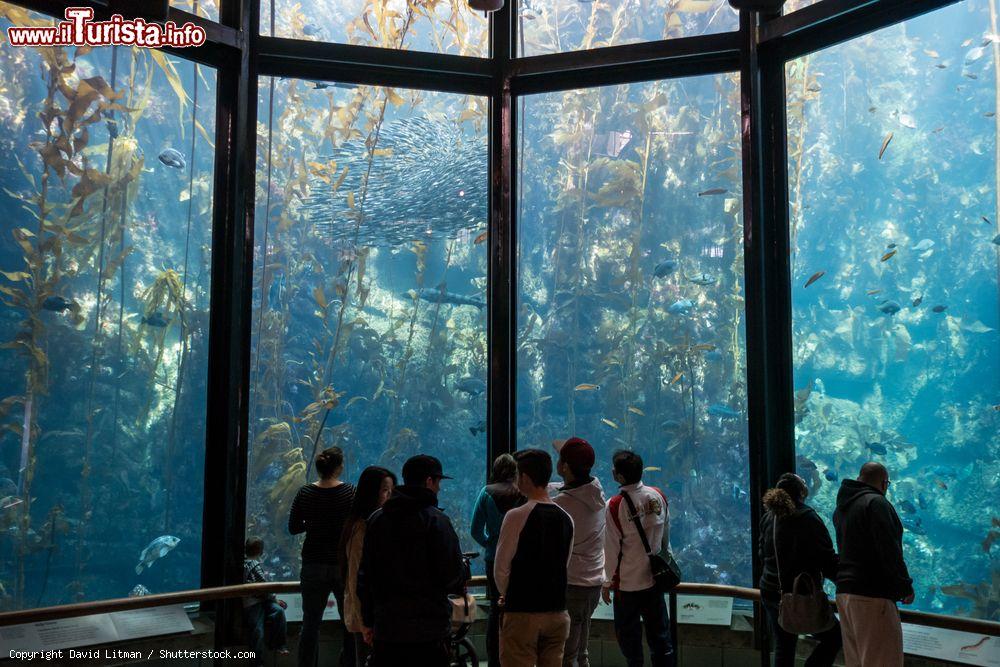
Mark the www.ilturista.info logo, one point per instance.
(79, 29)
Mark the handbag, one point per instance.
(666, 573)
(804, 611)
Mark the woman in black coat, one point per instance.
(803, 545)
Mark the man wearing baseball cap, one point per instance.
(410, 562)
(582, 497)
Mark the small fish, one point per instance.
(155, 319)
(919, 300)
(873, 292)
(974, 54)
(665, 268)
(814, 87)
(889, 255)
(830, 475)
(471, 386)
(636, 411)
(890, 246)
(932, 54)
(877, 448)
(990, 114)
(914, 525)
(889, 307)
(814, 277)
(138, 591)
(172, 158)
(941, 66)
(482, 237)
(652, 469)
(985, 219)
(681, 307)
(907, 506)
(923, 244)
(940, 308)
(586, 386)
(885, 144)
(722, 411)
(478, 427)
(677, 378)
(941, 484)
(311, 29)
(58, 304)
(609, 422)
(156, 550)
(713, 191)
(702, 279)
(438, 296)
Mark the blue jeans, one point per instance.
(266, 623)
(635, 610)
(318, 580)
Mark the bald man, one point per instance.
(872, 574)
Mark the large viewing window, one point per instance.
(555, 26)
(893, 200)
(440, 26)
(104, 281)
(630, 271)
(369, 318)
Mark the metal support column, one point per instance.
(502, 323)
(224, 514)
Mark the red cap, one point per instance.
(577, 453)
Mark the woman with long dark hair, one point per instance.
(319, 510)
(793, 537)
(374, 488)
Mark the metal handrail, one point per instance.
(975, 626)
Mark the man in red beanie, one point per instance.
(583, 499)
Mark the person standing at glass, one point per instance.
(793, 541)
(582, 496)
(410, 562)
(628, 580)
(320, 510)
(872, 575)
(494, 501)
(374, 488)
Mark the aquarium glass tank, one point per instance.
(630, 313)
(369, 317)
(555, 26)
(893, 182)
(105, 273)
(437, 26)
(208, 9)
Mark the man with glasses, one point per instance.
(872, 574)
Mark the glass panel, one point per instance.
(631, 298)
(893, 199)
(794, 5)
(555, 26)
(206, 8)
(104, 319)
(444, 26)
(370, 281)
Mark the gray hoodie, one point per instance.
(586, 506)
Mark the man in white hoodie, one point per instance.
(583, 499)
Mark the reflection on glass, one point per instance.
(208, 9)
(104, 283)
(630, 278)
(893, 202)
(555, 26)
(369, 319)
(443, 26)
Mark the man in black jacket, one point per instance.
(410, 562)
(872, 574)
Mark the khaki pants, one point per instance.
(873, 636)
(529, 639)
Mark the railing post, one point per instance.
(224, 514)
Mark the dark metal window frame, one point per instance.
(759, 50)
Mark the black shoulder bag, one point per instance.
(666, 574)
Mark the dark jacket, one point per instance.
(804, 545)
(870, 540)
(410, 562)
